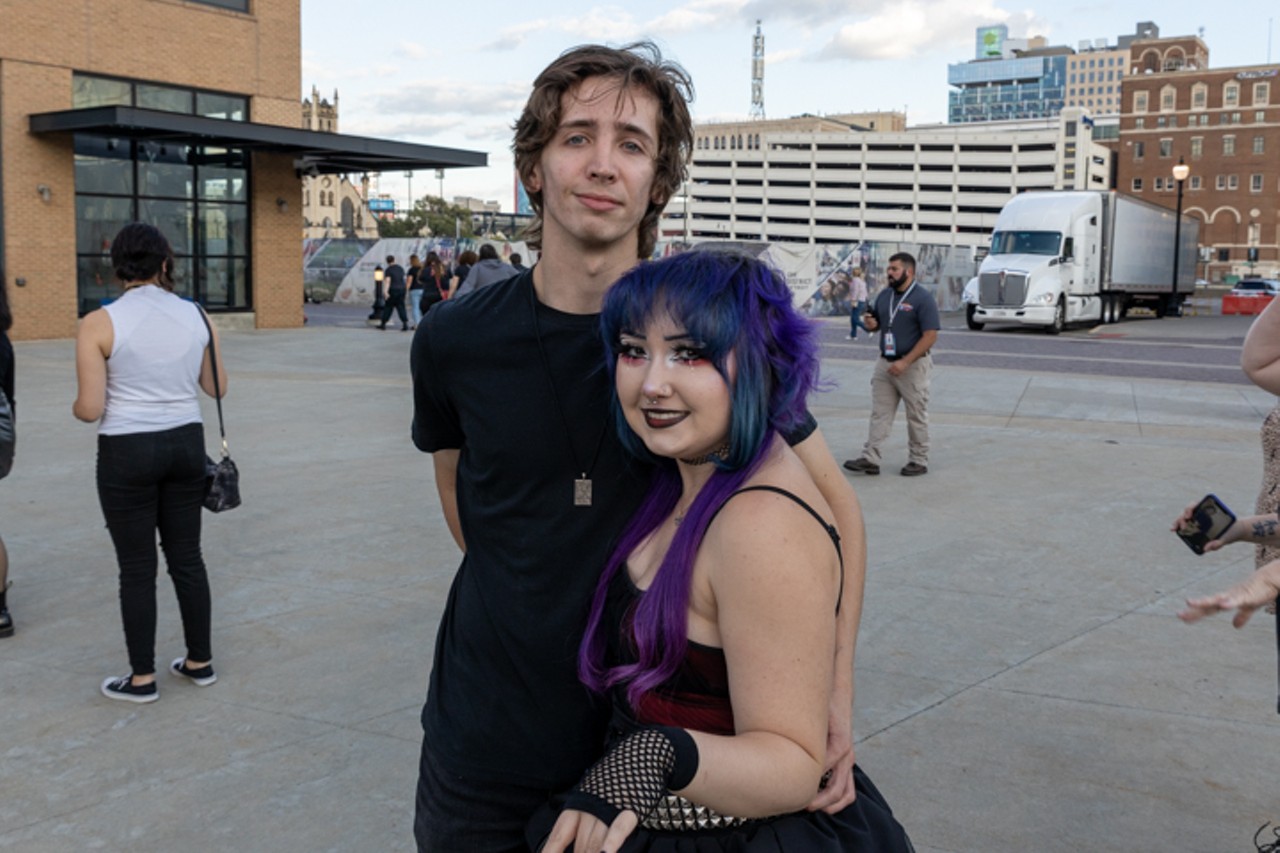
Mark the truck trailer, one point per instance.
(1081, 257)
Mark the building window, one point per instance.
(1204, 119)
(1197, 147)
(1139, 150)
(1159, 186)
(236, 5)
(1261, 94)
(1229, 145)
(1159, 121)
(1166, 147)
(198, 196)
(1221, 182)
(1168, 96)
(1139, 102)
(1259, 144)
(1255, 183)
(1259, 116)
(1231, 95)
(1233, 182)
(1137, 185)
(1195, 182)
(1139, 123)
(1235, 118)
(1199, 96)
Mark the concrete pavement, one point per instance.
(1022, 681)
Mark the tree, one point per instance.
(430, 213)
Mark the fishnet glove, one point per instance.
(636, 773)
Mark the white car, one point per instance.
(1257, 287)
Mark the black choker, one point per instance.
(718, 454)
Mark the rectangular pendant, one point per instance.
(582, 492)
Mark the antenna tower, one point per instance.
(757, 74)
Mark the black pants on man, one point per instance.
(395, 302)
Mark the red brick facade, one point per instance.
(1224, 124)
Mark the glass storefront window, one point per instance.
(227, 282)
(100, 92)
(224, 229)
(197, 197)
(164, 170)
(236, 5)
(230, 107)
(165, 98)
(222, 175)
(103, 165)
(174, 219)
(98, 220)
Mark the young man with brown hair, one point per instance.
(511, 400)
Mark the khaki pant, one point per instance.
(912, 388)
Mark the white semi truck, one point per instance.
(1077, 257)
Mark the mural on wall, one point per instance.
(341, 270)
(819, 276)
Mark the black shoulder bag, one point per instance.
(221, 478)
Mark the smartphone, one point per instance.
(1209, 520)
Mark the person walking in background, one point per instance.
(6, 388)
(413, 280)
(139, 363)
(857, 303)
(488, 269)
(907, 317)
(517, 262)
(461, 269)
(394, 280)
(434, 280)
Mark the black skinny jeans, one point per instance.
(149, 481)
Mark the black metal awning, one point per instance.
(315, 153)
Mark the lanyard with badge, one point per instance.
(890, 346)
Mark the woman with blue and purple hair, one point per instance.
(709, 626)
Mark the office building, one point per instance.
(939, 184)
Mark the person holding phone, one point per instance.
(907, 317)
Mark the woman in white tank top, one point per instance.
(139, 363)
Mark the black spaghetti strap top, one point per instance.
(830, 528)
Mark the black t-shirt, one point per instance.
(914, 313)
(395, 277)
(414, 278)
(505, 700)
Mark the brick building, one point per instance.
(1224, 124)
(182, 113)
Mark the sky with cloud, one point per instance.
(456, 74)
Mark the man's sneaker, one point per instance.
(862, 466)
(202, 677)
(6, 623)
(125, 690)
(914, 469)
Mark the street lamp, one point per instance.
(440, 178)
(378, 275)
(1180, 173)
